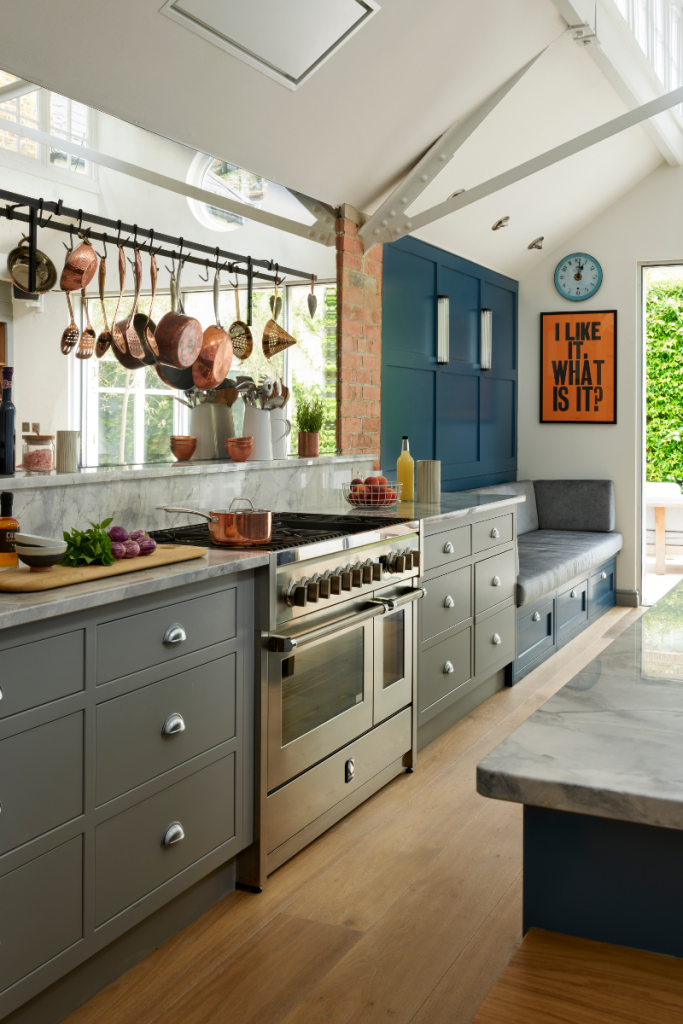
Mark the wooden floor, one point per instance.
(616, 985)
(407, 910)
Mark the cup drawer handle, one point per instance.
(495, 582)
(496, 639)
(175, 723)
(494, 533)
(173, 834)
(573, 593)
(536, 617)
(175, 634)
(448, 548)
(603, 575)
(449, 602)
(448, 668)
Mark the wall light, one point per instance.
(486, 352)
(442, 339)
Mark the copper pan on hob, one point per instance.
(243, 528)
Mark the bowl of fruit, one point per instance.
(373, 492)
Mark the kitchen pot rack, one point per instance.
(39, 208)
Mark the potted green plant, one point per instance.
(310, 415)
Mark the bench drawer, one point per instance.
(42, 911)
(40, 672)
(443, 668)
(495, 639)
(448, 602)
(130, 860)
(447, 547)
(137, 641)
(535, 633)
(602, 588)
(571, 609)
(131, 748)
(41, 780)
(492, 532)
(495, 580)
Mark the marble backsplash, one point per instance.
(47, 506)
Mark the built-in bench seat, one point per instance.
(567, 548)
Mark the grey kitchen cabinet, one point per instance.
(468, 616)
(108, 737)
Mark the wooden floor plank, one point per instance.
(565, 980)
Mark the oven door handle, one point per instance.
(377, 606)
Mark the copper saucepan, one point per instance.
(244, 528)
(79, 268)
(178, 337)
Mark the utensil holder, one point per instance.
(211, 424)
(281, 428)
(68, 450)
(428, 481)
(257, 425)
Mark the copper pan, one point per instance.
(245, 528)
(178, 337)
(79, 268)
(215, 358)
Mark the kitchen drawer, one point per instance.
(137, 642)
(492, 533)
(602, 588)
(443, 668)
(495, 580)
(42, 911)
(41, 780)
(130, 745)
(447, 547)
(448, 602)
(571, 609)
(535, 633)
(40, 672)
(494, 640)
(301, 801)
(130, 860)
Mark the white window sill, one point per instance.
(36, 168)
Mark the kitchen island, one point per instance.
(599, 770)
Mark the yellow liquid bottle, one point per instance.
(405, 472)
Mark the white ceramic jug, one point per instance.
(257, 425)
(281, 428)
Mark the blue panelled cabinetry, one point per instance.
(454, 412)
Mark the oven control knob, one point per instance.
(357, 577)
(377, 571)
(367, 573)
(300, 596)
(312, 592)
(325, 585)
(336, 581)
(400, 563)
(415, 555)
(346, 580)
(409, 558)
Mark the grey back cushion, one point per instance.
(527, 517)
(575, 505)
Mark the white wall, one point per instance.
(645, 225)
(41, 379)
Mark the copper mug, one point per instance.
(244, 528)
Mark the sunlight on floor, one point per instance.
(655, 586)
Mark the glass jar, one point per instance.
(38, 454)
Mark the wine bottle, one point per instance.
(7, 424)
(405, 471)
(8, 529)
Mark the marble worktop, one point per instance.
(452, 505)
(610, 742)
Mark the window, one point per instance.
(228, 180)
(48, 112)
(656, 25)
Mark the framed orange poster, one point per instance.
(579, 367)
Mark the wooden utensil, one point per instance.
(104, 340)
(86, 345)
(150, 327)
(240, 335)
(179, 337)
(70, 335)
(131, 335)
(116, 333)
(215, 358)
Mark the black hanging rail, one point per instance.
(38, 207)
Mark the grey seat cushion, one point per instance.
(586, 505)
(550, 558)
(527, 517)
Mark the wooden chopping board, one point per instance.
(22, 580)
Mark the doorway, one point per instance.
(663, 430)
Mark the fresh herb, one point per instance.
(310, 411)
(88, 547)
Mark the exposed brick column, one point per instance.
(359, 339)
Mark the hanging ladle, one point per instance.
(86, 345)
(104, 340)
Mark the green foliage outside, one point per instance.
(664, 385)
(315, 358)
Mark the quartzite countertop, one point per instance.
(17, 609)
(609, 743)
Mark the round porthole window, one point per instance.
(227, 180)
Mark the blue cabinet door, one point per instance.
(455, 412)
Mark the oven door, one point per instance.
(393, 661)
(319, 698)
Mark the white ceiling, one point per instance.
(362, 119)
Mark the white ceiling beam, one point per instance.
(182, 188)
(538, 163)
(378, 227)
(615, 50)
(324, 214)
(13, 90)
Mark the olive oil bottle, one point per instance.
(8, 528)
(405, 471)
